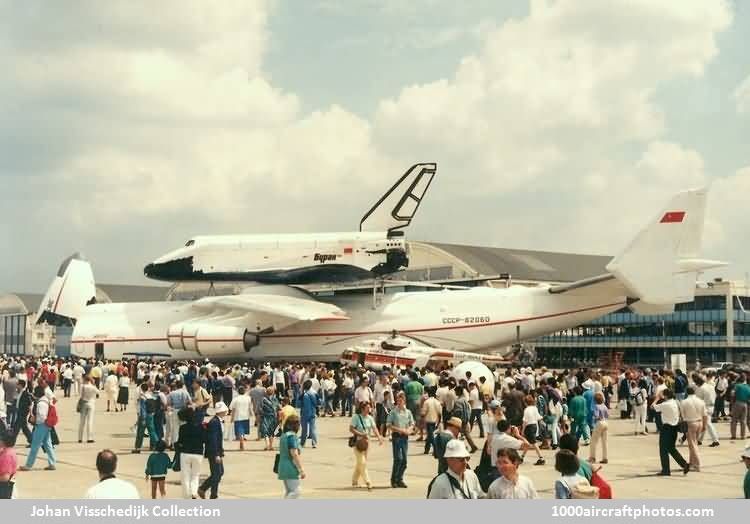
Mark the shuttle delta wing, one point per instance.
(398, 206)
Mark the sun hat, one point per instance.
(456, 449)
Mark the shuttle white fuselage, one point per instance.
(378, 248)
(283, 258)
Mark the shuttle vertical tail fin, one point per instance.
(399, 204)
(70, 292)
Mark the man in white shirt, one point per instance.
(706, 392)
(693, 412)
(507, 437)
(475, 401)
(109, 486)
(363, 393)
(670, 420)
(78, 372)
(458, 482)
(432, 412)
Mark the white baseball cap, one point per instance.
(220, 407)
(746, 453)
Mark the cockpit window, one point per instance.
(189, 243)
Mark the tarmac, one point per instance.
(632, 468)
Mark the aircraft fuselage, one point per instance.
(462, 320)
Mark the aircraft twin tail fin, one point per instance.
(70, 292)
(399, 204)
(661, 264)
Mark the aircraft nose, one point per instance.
(171, 270)
(150, 270)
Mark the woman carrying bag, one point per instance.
(362, 426)
(288, 465)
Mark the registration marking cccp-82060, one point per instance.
(482, 319)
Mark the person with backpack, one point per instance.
(44, 418)
(458, 481)
(639, 398)
(571, 485)
(289, 468)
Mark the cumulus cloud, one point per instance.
(547, 137)
(742, 96)
(552, 108)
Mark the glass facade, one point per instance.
(13, 334)
(704, 330)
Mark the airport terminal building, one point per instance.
(712, 328)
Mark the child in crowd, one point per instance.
(156, 468)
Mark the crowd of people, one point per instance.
(189, 410)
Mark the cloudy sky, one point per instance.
(557, 125)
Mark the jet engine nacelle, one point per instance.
(210, 340)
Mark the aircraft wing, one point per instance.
(606, 281)
(276, 311)
(609, 284)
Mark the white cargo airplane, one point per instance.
(378, 248)
(273, 322)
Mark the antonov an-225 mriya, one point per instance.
(276, 322)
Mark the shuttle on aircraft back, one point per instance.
(377, 249)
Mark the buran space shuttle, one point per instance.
(378, 249)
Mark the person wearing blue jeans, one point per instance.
(145, 420)
(308, 414)
(401, 424)
(41, 437)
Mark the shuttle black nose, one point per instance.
(172, 270)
